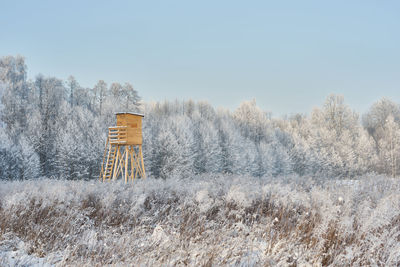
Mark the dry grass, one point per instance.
(204, 221)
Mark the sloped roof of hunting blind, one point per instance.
(131, 113)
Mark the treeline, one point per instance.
(55, 128)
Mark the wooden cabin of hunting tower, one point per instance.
(129, 126)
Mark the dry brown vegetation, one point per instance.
(204, 221)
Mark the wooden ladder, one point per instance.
(108, 164)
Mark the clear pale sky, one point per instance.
(288, 55)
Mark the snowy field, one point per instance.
(201, 221)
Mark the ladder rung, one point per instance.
(115, 137)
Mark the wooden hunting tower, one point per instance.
(123, 153)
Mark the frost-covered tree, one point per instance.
(72, 152)
(116, 90)
(375, 119)
(73, 85)
(9, 157)
(206, 148)
(381, 122)
(130, 97)
(45, 121)
(29, 160)
(100, 93)
(336, 136)
(335, 115)
(206, 111)
(15, 94)
(389, 147)
(173, 151)
(229, 141)
(252, 121)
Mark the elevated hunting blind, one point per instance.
(123, 153)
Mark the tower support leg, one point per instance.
(126, 161)
(127, 148)
(141, 161)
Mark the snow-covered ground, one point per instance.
(202, 220)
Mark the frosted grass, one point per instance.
(201, 221)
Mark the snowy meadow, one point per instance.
(204, 220)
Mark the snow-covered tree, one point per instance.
(130, 97)
(252, 120)
(45, 120)
(375, 119)
(100, 93)
(14, 98)
(389, 147)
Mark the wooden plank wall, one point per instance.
(134, 124)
